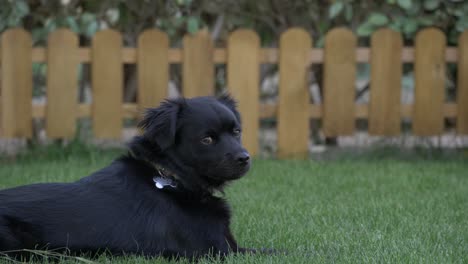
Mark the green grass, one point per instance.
(348, 210)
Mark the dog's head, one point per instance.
(202, 133)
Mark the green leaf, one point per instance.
(431, 4)
(178, 21)
(91, 29)
(365, 29)
(398, 20)
(363, 71)
(453, 37)
(88, 24)
(192, 24)
(395, 27)
(171, 31)
(416, 9)
(92, 6)
(14, 14)
(458, 13)
(335, 9)
(426, 20)
(320, 42)
(461, 24)
(410, 27)
(405, 4)
(323, 26)
(348, 12)
(124, 14)
(378, 19)
(184, 2)
(50, 25)
(87, 18)
(12, 21)
(407, 81)
(113, 15)
(71, 22)
(38, 34)
(22, 8)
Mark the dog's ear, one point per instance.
(159, 124)
(230, 102)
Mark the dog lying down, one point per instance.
(156, 201)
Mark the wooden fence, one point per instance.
(243, 56)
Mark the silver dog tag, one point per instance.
(160, 182)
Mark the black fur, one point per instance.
(118, 209)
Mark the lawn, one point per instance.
(370, 208)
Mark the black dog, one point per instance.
(156, 201)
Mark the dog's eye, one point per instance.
(207, 140)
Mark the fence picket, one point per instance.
(197, 65)
(462, 90)
(293, 105)
(243, 80)
(385, 85)
(16, 84)
(107, 82)
(62, 84)
(153, 68)
(339, 78)
(429, 67)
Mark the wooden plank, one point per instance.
(243, 73)
(462, 85)
(268, 55)
(16, 84)
(62, 84)
(266, 110)
(293, 101)
(153, 68)
(385, 84)
(339, 83)
(429, 66)
(197, 65)
(107, 84)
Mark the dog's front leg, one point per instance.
(236, 249)
(233, 244)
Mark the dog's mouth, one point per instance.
(228, 171)
(238, 172)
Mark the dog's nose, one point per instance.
(243, 157)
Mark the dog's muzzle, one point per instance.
(242, 158)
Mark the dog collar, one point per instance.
(163, 179)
